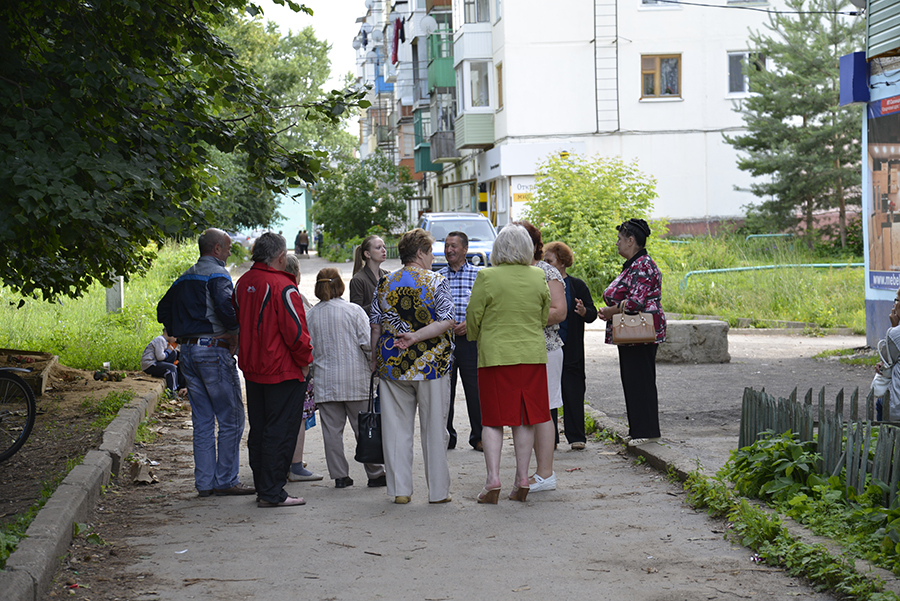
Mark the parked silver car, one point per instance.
(477, 227)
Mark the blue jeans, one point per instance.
(214, 390)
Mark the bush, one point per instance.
(580, 201)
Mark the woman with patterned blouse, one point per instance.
(412, 314)
(637, 289)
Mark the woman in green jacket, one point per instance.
(506, 315)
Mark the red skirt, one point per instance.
(513, 395)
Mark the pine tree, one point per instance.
(801, 145)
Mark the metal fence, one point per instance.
(841, 446)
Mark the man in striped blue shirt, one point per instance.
(461, 276)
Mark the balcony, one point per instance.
(384, 135)
(440, 60)
(474, 130)
(383, 87)
(443, 147)
(423, 159)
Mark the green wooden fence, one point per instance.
(841, 446)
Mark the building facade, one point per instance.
(485, 90)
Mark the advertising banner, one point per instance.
(883, 122)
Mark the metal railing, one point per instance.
(684, 280)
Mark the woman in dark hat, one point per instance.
(637, 289)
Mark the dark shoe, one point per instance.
(376, 482)
(204, 493)
(343, 482)
(237, 489)
(479, 447)
(452, 443)
(289, 502)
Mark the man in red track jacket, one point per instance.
(274, 354)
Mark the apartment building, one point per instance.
(474, 94)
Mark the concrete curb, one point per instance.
(30, 569)
(669, 458)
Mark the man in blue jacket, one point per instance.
(197, 310)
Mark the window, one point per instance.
(738, 63)
(474, 86)
(661, 76)
(476, 11)
(481, 89)
(498, 9)
(500, 86)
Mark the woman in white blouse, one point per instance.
(341, 339)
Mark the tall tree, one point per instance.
(291, 69)
(802, 146)
(359, 195)
(107, 109)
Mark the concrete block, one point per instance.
(118, 438)
(695, 341)
(91, 476)
(39, 557)
(17, 586)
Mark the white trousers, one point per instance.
(399, 399)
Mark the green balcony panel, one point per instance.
(422, 156)
(441, 73)
(474, 130)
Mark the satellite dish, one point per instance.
(377, 36)
(859, 3)
(369, 4)
(429, 25)
(357, 43)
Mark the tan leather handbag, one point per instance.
(633, 329)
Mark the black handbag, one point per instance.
(368, 443)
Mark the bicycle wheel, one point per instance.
(17, 413)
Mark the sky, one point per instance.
(333, 20)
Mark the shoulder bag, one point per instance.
(368, 444)
(633, 329)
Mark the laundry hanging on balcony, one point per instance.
(395, 41)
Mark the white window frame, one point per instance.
(745, 56)
(464, 87)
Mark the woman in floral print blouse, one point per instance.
(637, 289)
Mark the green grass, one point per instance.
(107, 408)
(80, 330)
(826, 298)
(850, 356)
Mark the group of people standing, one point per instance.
(514, 334)
(517, 343)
